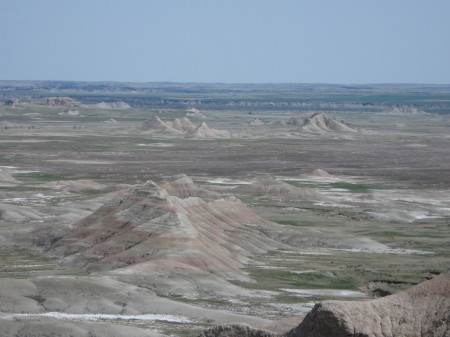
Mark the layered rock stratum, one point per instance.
(204, 131)
(178, 238)
(111, 105)
(57, 101)
(406, 110)
(195, 113)
(421, 311)
(320, 122)
(169, 238)
(182, 127)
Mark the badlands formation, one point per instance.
(157, 237)
(195, 113)
(422, 310)
(406, 110)
(121, 213)
(179, 239)
(182, 127)
(319, 122)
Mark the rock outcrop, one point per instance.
(319, 122)
(174, 242)
(194, 113)
(111, 105)
(204, 131)
(57, 101)
(421, 311)
(406, 110)
(157, 126)
(256, 122)
(182, 127)
(184, 187)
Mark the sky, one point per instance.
(228, 41)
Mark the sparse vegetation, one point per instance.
(387, 186)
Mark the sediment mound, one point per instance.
(57, 101)
(406, 110)
(421, 311)
(15, 213)
(320, 173)
(178, 245)
(194, 113)
(204, 131)
(182, 127)
(183, 124)
(184, 187)
(279, 189)
(70, 113)
(111, 105)
(319, 122)
(256, 122)
(157, 126)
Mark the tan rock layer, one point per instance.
(421, 311)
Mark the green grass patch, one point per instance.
(41, 177)
(351, 187)
(276, 279)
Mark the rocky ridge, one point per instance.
(204, 131)
(195, 113)
(150, 234)
(421, 311)
(182, 127)
(319, 122)
(57, 101)
(406, 110)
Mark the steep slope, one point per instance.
(182, 127)
(319, 122)
(183, 124)
(157, 126)
(169, 239)
(204, 131)
(183, 186)
(421, 311)
(149, 233)
(406, 110)
(195, 113)
(57, 101)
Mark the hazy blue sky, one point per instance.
(314, 41)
